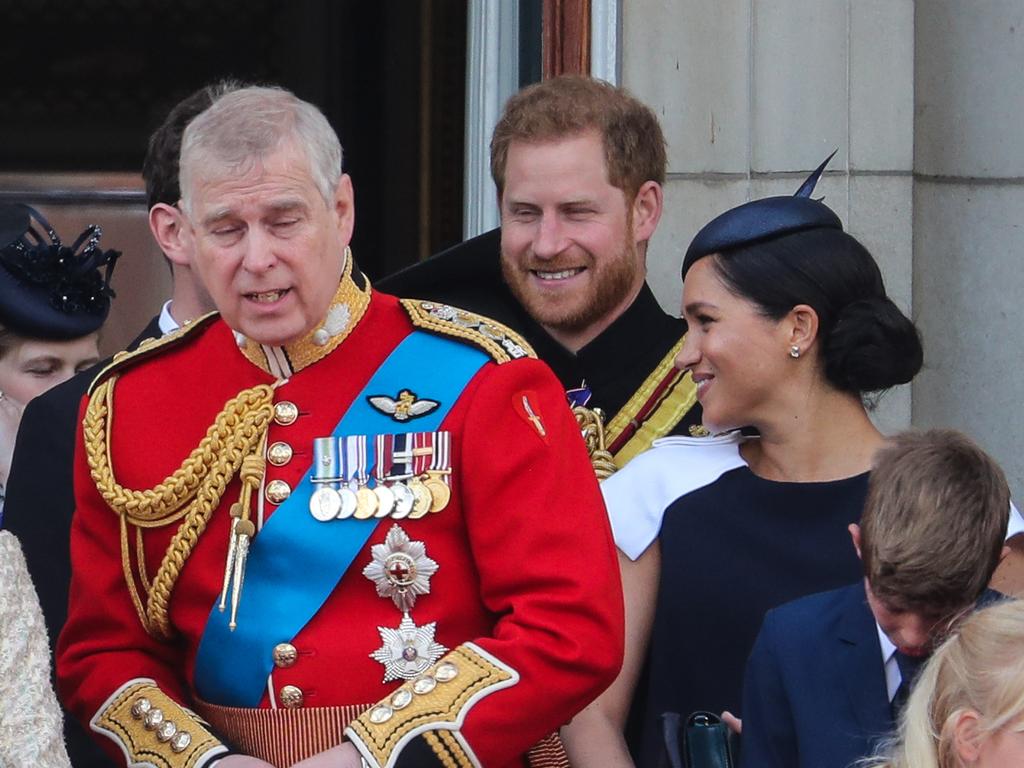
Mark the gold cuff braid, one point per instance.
(152, 729)
(193, 491)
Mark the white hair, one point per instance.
(246, 125)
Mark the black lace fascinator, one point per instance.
(49, 290)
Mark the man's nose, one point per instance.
(259, 251)
(549, 240)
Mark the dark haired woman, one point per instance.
(789, 327)
(53, 300)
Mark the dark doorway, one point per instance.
(87, 80)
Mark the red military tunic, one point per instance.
(527, 591)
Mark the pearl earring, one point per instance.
(794, 351)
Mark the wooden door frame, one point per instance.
(566, 43)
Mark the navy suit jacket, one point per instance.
(814, 694)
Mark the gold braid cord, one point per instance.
(591, 423)
(190, 494)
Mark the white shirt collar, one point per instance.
(893, 678)
(166, 322)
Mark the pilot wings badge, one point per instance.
(406, 406)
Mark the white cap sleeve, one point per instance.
(638, 494)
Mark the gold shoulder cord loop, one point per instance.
(591, 423)
(191, 492)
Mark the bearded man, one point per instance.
(579, 167)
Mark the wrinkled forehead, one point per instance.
(279, 179)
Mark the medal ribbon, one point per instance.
(358, 443)
(325, 461)
(295, 562)
(385, 453)
(441, 460)
(422, 441)
(402, 456)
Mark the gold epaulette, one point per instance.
(499, 341)
(152, 729)
(150, 347)
(433, 706)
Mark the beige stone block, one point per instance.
(969, 90)
(689, 60)
(800, 95)
(881, 85)
(881, 217)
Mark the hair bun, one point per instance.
(872, 346)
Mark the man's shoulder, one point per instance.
(496, 339)
(152, 348)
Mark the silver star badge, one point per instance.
(400, 569)
(407, 651)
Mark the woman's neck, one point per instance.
(827, 436)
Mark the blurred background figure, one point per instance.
(31, 730)
(53, 300)
(967, 708)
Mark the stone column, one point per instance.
(968, 213)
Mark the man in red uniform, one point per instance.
(327, 526)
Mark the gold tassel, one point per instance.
(591, 423)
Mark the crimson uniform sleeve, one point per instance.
(111, 673)
(542, 546)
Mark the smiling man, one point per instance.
(343, 528)
(579, 167)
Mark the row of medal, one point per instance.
(410, 477)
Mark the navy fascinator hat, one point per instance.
(47, 289)
(764, 219)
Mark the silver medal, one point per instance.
(404, 500)
(408, 651)
(385, 500)
(347, 503)
(324, 504)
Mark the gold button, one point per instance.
(285, 413)
(285, 655)
(291, 697)
(279, 454)
(277, 491)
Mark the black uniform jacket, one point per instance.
(614, 365)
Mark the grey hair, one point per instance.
(246, 125)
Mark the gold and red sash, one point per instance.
(655, 408)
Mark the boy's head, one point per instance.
(932, 533)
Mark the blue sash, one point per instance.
(295, 561)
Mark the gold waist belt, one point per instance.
(285, 736)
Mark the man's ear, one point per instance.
(647, 206)
(854, 530)
(168, 225)
(967, 736)
(345, 207)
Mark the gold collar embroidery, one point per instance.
(346, 310)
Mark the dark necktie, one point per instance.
(909, 667)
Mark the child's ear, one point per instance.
(967, 736)
(854, 530)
